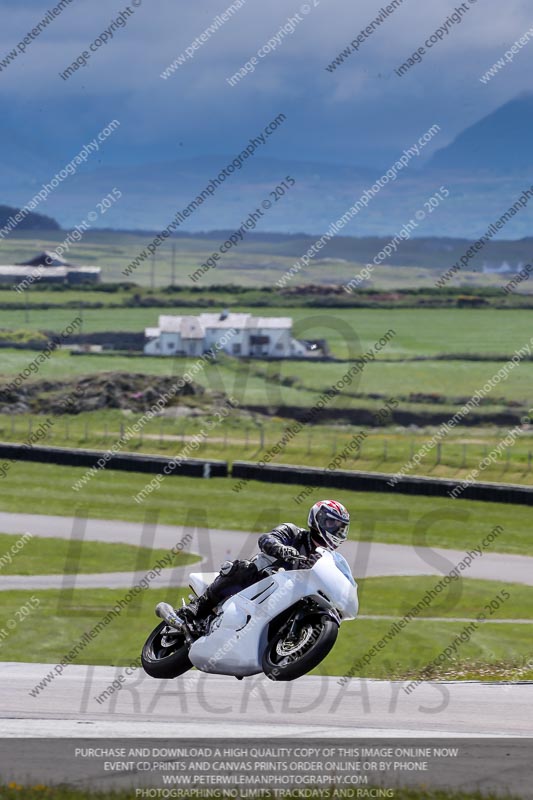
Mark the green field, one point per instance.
(50, 556)
(424, 386)
(257, 262)
(418, 331)
(426, 391)
(450, 383)
(395, 518)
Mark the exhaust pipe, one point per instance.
(165, 612)
(168, 615)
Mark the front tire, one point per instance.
(287, 659)
(165, 653)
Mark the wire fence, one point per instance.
(251, 439)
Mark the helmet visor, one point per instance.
(330, 524)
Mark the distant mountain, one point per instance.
(31, 222)
(499, 142)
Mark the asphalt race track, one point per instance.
(217, 706)
(211, 705)
(366, 559)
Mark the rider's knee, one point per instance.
(229, 567)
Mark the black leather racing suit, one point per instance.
(237, 575)
(289, 535)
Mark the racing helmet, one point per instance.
(328, 521)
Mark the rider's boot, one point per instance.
(232, 573)
(197, 609)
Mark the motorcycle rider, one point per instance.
(328, 522)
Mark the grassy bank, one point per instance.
(49, 556)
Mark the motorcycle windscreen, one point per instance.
(344, 567)
(337, 583)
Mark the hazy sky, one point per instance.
(362, 113)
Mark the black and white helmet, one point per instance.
(329, 521)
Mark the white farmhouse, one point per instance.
(240, 335)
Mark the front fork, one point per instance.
(303, 613)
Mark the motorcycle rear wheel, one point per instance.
(165, 653)
(287, 659)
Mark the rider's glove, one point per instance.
(286, 553)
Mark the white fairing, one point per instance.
(238, 635)
(199, 581)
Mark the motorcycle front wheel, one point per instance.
(165, 653)
(287, 658)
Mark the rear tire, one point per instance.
(286, 660)
(165, 653)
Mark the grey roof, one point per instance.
(195, 327)
(191, 328)
(45, 259)
(224, 321)
(272, 322)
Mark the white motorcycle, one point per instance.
(284, 625)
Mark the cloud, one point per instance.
(360, 113)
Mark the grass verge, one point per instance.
(410, 652)
(49, 556)
(15, 791)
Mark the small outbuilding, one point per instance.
(47, 267)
